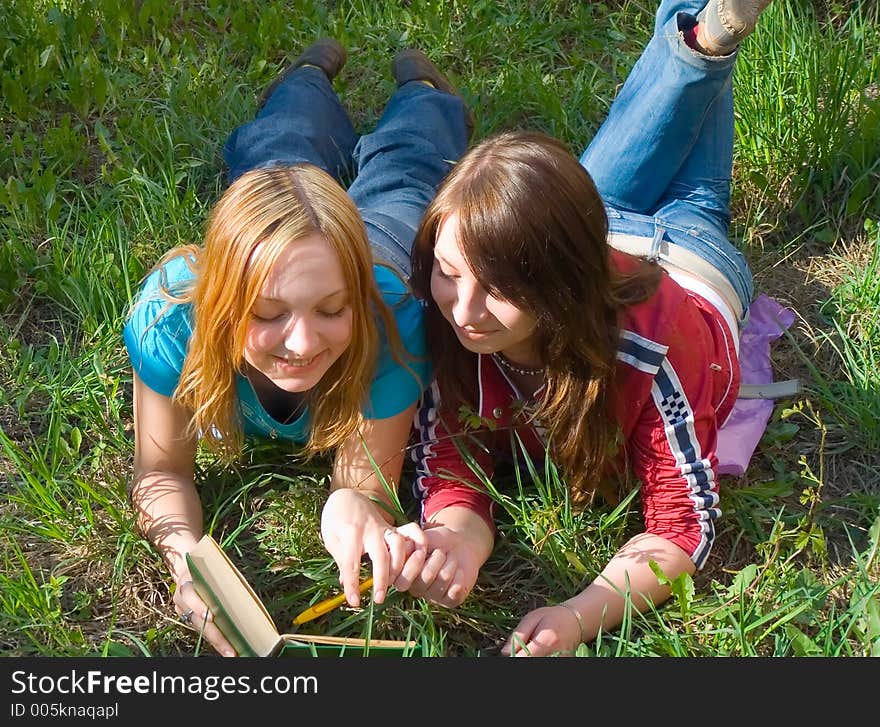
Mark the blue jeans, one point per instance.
(397, 168)
(662, 159)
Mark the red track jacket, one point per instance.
(677, 380)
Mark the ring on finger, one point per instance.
(186, 618)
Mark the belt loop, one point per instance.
(654, 252)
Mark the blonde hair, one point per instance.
(257, 217)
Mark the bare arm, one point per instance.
(164, 495)
(385, 440)
(601, 605)
(169, 512)
(632, 562)
(353, 521)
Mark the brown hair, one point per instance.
(261, 213)
(533, 230)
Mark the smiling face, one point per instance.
(301, 321)
(483, 323)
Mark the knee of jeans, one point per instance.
(391, 241)
(400, 219)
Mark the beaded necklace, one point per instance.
(500, 358)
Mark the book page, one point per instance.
(316, 645)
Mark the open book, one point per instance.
(242, 618)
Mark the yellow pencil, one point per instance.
(319, 609)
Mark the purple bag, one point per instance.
(739, 435)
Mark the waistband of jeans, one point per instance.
(672, 256)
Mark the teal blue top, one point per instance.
(157, 335)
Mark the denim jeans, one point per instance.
(396, 168)
(662, 159)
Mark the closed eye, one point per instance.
(266, 319)
(443, 274)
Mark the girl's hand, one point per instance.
(195, 614)
(351, 525)
(448, 574)
(548, 631)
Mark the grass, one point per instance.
(112, 118)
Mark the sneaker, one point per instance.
(725, 23)
(413, 65)
(325, 53)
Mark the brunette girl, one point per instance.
(594, 309)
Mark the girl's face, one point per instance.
(301, 321)
(483, 323)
